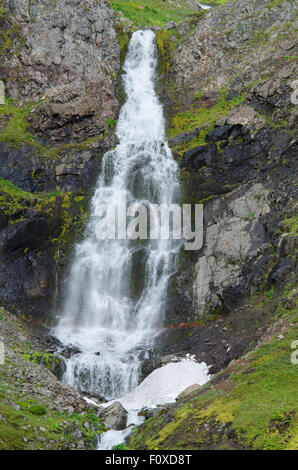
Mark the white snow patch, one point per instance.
(163, 385)
(205, 7)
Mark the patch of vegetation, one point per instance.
(214, 2)
(123, 40)
(37, 410)
(120, 447)
(50, 361)
(151, 12)
(16, 129)
(33, 427)
(203, 116)
(111, 123)
(167, 42)
(291, 225)
(14, 200)
(11, 39)
(16, 132)
(275, 4)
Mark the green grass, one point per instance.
(202, 116)
(14, 200)
(214, 2)
(33, 416)
(151, 12)
(16, 129)
(291, 225)
(30, 420)
(37, 410)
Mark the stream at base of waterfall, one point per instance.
(117, 289)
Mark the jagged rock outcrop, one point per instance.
(233, 42)
(73, 168)
(63, 58)
(69, 48)
(235, 238)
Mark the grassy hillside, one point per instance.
(152, 12)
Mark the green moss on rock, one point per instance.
(51, 361)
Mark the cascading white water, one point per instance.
(117, 288)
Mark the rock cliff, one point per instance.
(60, 64)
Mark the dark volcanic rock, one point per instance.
(63, 58)
(33, 251)
(73, 169)
(199, 157)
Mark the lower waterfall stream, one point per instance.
(117, 288)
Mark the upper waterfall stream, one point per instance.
(117, 288)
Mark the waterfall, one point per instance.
(117, 288)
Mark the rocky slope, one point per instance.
(36, 410)
(62, 58)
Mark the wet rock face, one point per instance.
(64, 59)
(35, 237)
(69, 57)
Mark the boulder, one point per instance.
(115, 416)
(241, 115)
(188, 391)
